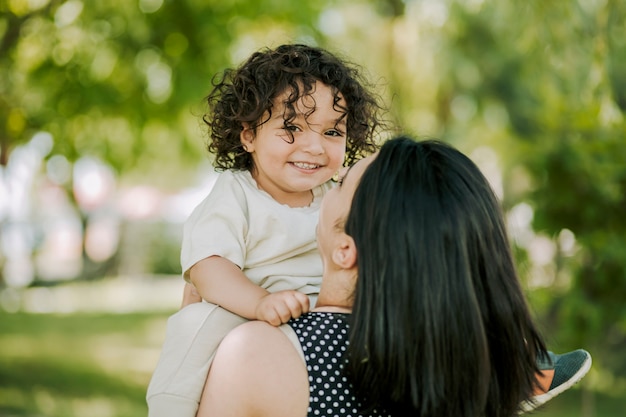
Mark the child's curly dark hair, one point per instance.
(245, 94)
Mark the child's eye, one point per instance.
(334, 133)
(291, 128)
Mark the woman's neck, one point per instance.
(332, 309)
(336, 291)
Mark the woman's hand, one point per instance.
(190, 295)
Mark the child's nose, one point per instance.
(313, 142)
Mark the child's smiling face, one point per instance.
(293, 157)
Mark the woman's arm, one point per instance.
(256, 372)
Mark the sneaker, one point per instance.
(568, 369)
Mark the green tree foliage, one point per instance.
(541, 86)
(558, 70)
(541, 83)
(124, 80)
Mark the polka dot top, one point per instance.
(324, 340)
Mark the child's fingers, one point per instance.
(274, 319)
(283, 311)
(298, 303)
(290, 304)
(305, 302)
(270, 313)
(280, 307)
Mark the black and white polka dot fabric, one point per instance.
(324, 340)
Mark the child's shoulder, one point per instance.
(231, 192)
(230, 178)
(239, 185)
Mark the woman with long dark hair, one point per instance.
(420, 311)
(446, 321)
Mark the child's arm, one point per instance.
(219, 281)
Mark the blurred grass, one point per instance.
(96, 365)
(99, 365)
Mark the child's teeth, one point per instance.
(304, 165)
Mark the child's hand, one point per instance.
(277, 308)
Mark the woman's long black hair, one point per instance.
(440, 325)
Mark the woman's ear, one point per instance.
(246, 137)
(344, 255)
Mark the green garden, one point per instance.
(102, 157)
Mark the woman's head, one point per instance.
(436, 288)
(248, 95)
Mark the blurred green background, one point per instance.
(102, 158)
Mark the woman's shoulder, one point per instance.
(255, 336)
(260, 364)
(258, 347)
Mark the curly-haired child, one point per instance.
(281, 125)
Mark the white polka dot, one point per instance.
(323, 337)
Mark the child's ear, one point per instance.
(247, 137)
(344, 255)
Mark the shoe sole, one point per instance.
(541, 399)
